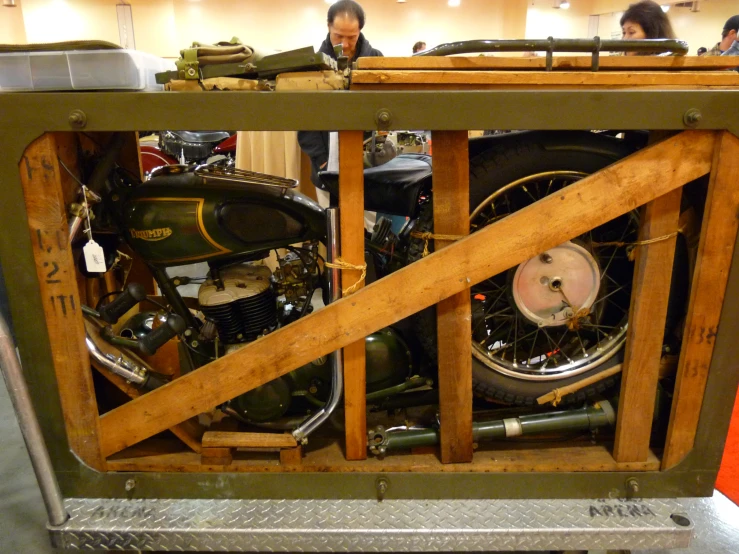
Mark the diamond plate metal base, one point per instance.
(371, 526)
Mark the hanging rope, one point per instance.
(631, 251)
(341, 265)
(425, 236)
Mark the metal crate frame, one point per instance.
(26, 116)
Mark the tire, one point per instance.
(506, 161)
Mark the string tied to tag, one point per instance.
(426, 236)
(341, 264)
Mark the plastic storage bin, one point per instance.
(81, 70)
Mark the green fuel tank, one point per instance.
(183, 217)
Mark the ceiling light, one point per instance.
(401, 1)
(565, 5)
(454, 3)
(9, 3)
(666, 8)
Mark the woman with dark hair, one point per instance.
(645, 20)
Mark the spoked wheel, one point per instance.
(560, 317)
(562, 313)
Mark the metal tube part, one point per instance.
(600, 414)
(30, 429)
(337, 365)
(595, 45)
(120, 366)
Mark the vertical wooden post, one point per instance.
(715, 250)
(453, 315)
(47, 222)
(351, 214)
(649, 298)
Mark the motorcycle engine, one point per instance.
(240, 301)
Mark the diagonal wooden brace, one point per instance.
(607, 194)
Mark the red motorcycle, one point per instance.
(188, 147)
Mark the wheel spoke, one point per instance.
(527, 192)
(614, 291)
(533, 343)
(615, 249)
(484, 341)
(582, 345)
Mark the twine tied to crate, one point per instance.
(341, 264)
(631, 250)
(426, 236)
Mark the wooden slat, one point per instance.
(647, 313)
(671, 63)
(715, 250)
(453, 315)
(594, 200)
(189, 432)
(41, 178)
(496, 457)
(546, 78)
(215, 439)
(351, 214)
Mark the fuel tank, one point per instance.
(180, 216)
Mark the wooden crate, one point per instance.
(121, 440)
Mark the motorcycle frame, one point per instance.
(27, 116)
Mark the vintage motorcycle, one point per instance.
(554, 320)
(187, 147)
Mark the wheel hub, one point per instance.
(551, 288)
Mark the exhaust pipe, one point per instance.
(337, 365)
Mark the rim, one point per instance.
(563, 312)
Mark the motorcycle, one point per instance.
(187, 147)
(554, 320)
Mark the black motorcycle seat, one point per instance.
(201, 136)
(391, 188)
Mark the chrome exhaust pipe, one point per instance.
(337, 364)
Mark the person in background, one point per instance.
(729, 39)
(345, 23)
(420, 46)
(645, 20)
(702, 50)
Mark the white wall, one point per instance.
(163, 27)
(12, 29)
(544, 20)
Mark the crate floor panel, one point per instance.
(329, 456)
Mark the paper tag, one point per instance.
(94, 257)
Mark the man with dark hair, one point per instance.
(420, 46)
(345, 23)
(729, 39)
(728, 36)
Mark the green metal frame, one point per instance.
(25, 116)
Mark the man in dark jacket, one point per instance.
(345, 22)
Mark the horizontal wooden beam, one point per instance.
(546, 78)
(623, 63)
(594, 200)
(231, 439)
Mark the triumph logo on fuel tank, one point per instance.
(151, 234)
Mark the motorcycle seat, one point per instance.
(201, 136)
(391, 188)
